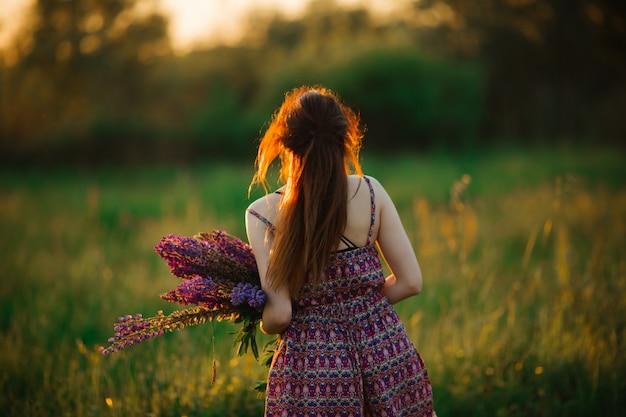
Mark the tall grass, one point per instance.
(523, 311)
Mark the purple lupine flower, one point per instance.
(199, 291)
(225, 258)
(128, 331)
(240, 294)
(182, 254)
(221, 280)
(231, 246)
(137, 329)
(246, 293)
(258, 299)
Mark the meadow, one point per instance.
(523, 311)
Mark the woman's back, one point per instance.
(359, 213)
(343, 350)
(346, 349)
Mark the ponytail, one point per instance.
(318, 140)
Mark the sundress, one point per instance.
(346, 353)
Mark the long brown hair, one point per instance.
(318, 140)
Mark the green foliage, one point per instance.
(96, 84)
(522, 311)
(219, 127)
(413, 102)
(406, 100)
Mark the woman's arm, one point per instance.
(277, 310)
(276, 313)
(406, 276)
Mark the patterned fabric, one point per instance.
(263, 219)
(346, 353)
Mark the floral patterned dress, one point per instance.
(346, 353)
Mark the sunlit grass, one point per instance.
(531, 317)
(523, 310)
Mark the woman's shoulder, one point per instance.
(380, 192)
(358, 178)
(265, 202)
(259, 203)
(372, 180)
(266, 206)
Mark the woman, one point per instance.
(342, 349)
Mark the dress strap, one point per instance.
(347, 242)
(373, 209)
(263, 219)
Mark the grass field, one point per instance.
(523, 311)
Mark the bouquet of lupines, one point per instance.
(220, 281)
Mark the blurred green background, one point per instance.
(95, 81)
(497, 128)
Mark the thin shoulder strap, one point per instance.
(263, 219)
(373, 211)
(348, 242)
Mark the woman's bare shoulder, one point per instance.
(266, 205)
(355, 179)
(376, 185)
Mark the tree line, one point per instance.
(92, 81)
